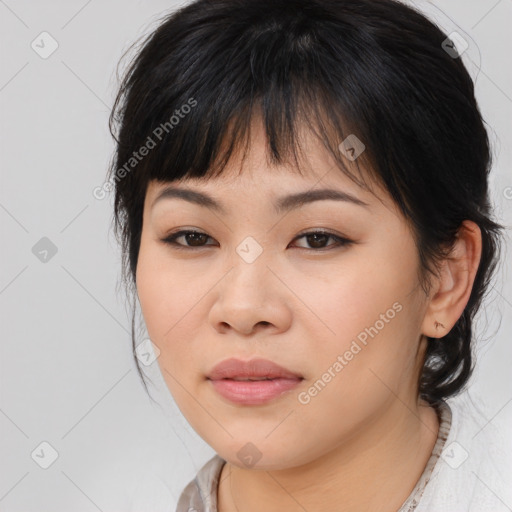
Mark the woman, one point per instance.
(301, 194)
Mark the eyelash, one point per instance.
(340, 241)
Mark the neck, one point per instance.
(376, 470)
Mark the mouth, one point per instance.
(253, 382)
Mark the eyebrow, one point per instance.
(283, 203)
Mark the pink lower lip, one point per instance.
(253, 392)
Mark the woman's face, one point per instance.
(345, 318)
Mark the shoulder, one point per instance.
(200, 494)
(472, 472)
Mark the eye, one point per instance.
(318, 238)
(197, 239)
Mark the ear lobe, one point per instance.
(455, 282)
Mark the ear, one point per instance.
(449, 296)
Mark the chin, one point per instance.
(266, 456)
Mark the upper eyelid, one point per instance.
(302, 233)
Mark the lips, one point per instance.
(255, 382)
(256, 369)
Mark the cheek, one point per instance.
(165, 291)
(352, 295)
(166, 297)
(154, 293)
(369, 314)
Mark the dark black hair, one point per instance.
(377, 69)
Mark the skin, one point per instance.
(363, 441)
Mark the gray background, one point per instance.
(66, 369)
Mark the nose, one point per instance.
(250, 299)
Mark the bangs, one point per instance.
(287, 118)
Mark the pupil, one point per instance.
(315, 236)
(189, 235)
